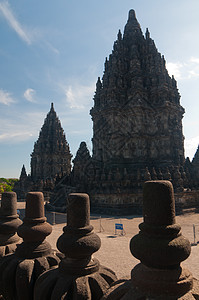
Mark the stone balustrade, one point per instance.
(79, 275)
(35, 271)
(19, 271)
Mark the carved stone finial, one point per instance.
(78, 275)
(147, 175)
(147, 34)
(19, 271)
(119, 35)
(159, 222)
(132, 25)
(9, 222)
(52, 107)
(160, 175)
(34, 229)
(132, 15)
(167, 174)
(153, 174)
(160, 247)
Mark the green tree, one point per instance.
(7, 184)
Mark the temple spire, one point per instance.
(23, 174)
(132, 27)
(132, 19)
(119, 35)
(132, 15)
(52, 106)
(98, 84)
(147, 34)
(51, 153)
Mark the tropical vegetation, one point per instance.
(7, 184)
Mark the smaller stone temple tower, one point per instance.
(195, 164)
(23, 175)
(51, 154)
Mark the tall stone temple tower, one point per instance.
(137, 116)
(51, 154)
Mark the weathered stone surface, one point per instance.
(19, 271)
(79, 275)
(9, 222)
(161, 248)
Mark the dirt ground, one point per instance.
(114, 252)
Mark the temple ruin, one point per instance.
(137, 135)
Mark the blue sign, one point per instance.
(118, 226)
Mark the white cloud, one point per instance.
(13, 131)
(15, 136)
(29, 95)
(193, 73)
(5, 97)
(71, 98)
(24, 127)
(174, 69)
(6, 11)
(52, 48)
(191, 146)
(27, 35)
(184, 70)
(194, 60)
(78, 96)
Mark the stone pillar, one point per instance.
(9, 222)
(161, 248)
(79, 275)
(19, 271)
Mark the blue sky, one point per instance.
(54, 51)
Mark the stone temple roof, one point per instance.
(51, 137)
